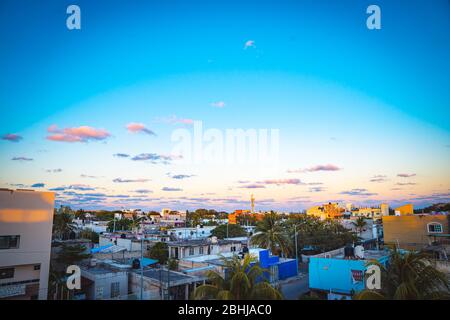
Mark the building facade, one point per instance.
(26, 220)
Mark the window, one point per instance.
(115, 289)
(6, 273)
(200, 250)
(9, 242)
(233, 249)
(434, 227)
(37, 267)
(191, 251)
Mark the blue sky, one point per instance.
(371, 103)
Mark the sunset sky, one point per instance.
(363, 115)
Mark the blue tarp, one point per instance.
(99, 249)
(147, 261)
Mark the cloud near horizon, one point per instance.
(326, 167)
(120, 180)
(76, 134)
(135, 127)
(171, 189)
(406, 175)
(358, 192)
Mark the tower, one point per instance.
(252, 199)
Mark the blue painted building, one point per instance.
(280, 268)
(338, 276)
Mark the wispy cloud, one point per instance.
(38, 185)
(218, 104)
(121, 155)
(406, 183)
(135, 127)
(12, 137)
(22, 159)
(171, 189)
(155, 158)
(281, 181)
(175, 120)
(54, 170)
(88, 176)
(379, 178)
(249, 44)
(76, 134)
(358, 192)
(143, 191)
(121, 180)
(316, 189)
(325, 167)
(406, 175)
(252, 186)
(180, 176)
(78, 187)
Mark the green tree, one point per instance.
(72, 254)
(244, 281)
(234, 230)
(159, 251)
(63, 224)
(359, 224)
(320, 235)
(135, 223)
(409, 276)
(172, 264)
(271, 234)
(89, 234)
(121, 225)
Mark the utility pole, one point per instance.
(296, 251)
(142, 267)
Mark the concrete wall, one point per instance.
(411, 230)
(30, 215)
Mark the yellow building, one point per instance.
(326, 211)
(413, 232)
(404, 210)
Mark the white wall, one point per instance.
(30, 215)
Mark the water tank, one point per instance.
(93, 262)
(213, 239)
(359, 252)
(349, 252)
(136, 264)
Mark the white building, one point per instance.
(200, 232)
(26, 219)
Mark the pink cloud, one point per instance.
(76, 134)
(139, 128)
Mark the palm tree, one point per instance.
(63, 224)
(244, 281)
(409, 276)
(271, 234)
(135, 223)
(359, 224)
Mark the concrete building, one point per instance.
(336, 276)
(414, 232)
(326, 211)
(103, 282)
(192, 248)
(26, 220)
(407, 209)
(200, 232)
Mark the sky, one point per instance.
(361, 116)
